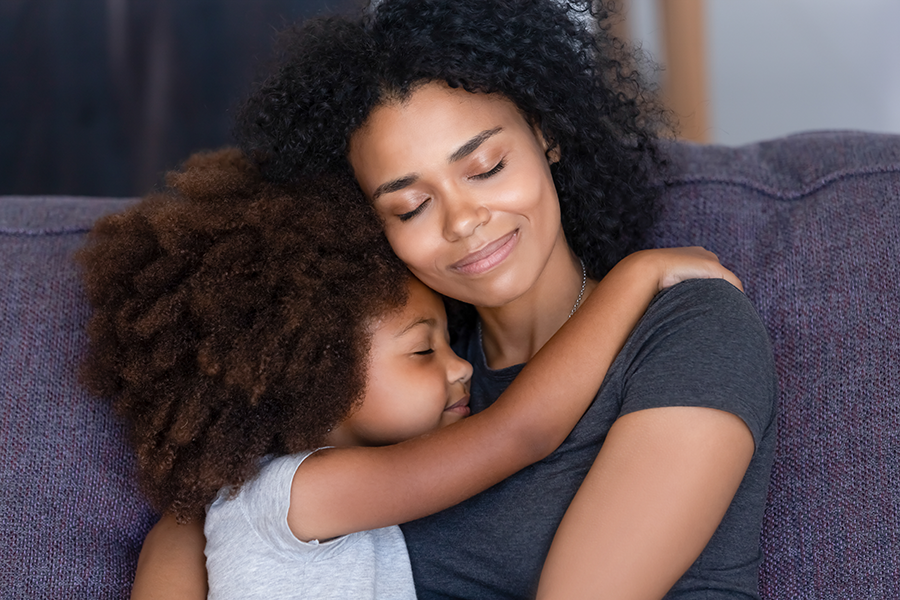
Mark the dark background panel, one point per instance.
(101, 97)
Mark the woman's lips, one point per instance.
(489, 256)
(461, 407)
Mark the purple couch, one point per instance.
(811, 223)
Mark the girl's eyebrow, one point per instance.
(412, 324)
(463, 151)
(472, 145)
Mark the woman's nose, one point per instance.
(463, 215)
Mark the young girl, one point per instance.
(307, 378)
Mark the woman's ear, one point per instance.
(553, 155)
(551, 150)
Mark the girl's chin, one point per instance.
(454, 416)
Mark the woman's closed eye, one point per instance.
(497, 168)
(425, 352)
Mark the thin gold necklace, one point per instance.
(581, 293)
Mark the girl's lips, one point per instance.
(461, 407)
(489, 256)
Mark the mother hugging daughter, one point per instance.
(503, 148)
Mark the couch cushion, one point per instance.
(71, 518)
(811, 223)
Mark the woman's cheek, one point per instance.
(415, 244)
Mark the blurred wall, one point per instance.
(782, 66)
(100, 97)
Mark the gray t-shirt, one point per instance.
(700, 344)
(251, 552)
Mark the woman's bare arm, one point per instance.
(666, 476)
(172, 564)
(355, 489)
(649, 505)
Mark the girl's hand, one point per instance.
(673, 265)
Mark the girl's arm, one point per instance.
(344, 490)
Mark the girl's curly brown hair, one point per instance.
(231, 320)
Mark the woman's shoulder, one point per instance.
(701, 343)
(705, 308)
(704, 315)
(709, 296)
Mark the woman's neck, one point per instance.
(514, 332)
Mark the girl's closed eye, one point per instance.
(424, 352)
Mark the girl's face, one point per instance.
(463, 186)
(416, 383)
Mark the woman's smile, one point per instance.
(489, 256)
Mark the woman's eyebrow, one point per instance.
(472, 145)
(394, 186)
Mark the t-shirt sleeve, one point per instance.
(265, 500)
(701, 343)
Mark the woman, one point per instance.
(502, 145)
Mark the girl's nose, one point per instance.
(458, 369)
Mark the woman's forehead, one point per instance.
(436, 122)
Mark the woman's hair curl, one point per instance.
(230, 322)
(557, 61)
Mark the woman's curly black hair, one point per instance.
(555, 60)
(230, 322)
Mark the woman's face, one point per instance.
(463, 186)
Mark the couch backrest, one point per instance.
(810, 223)
(71, 517)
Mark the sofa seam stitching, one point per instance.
(782, 195)
(19, 232)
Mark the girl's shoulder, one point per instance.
(268, 488)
